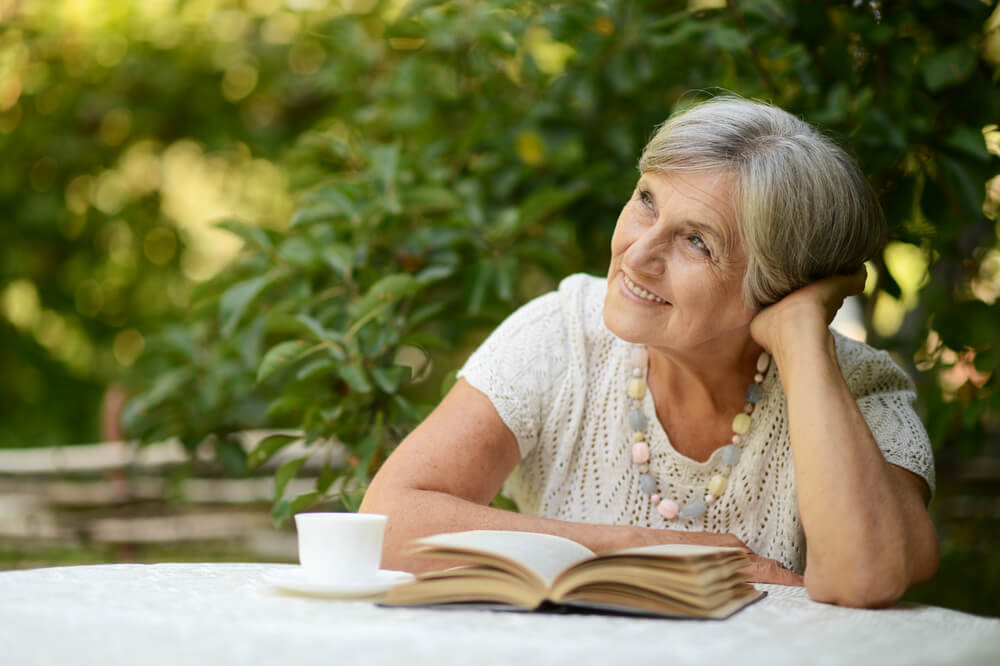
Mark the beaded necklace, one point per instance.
(637, 422)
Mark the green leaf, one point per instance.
(238, 298)
(281, 512)
(433, 274)
(545, 203)
(166, 386)
(334, 200)
(389, 289)
(315, 368)
(288, 471)
(280, 356)
(326, 478)
(408, 409)
(267, 447)
(284, 406)
(314, 327)
(300, 253)
(969, 141)
(352, 498)
(407, 27)
(355, 377)
(481, 278)
(319, 212)
(304, 501)
(339, 257)
(254, 236)
(969, 324)
(972, 414)
(986, 360)
(506, 272)
(232, 455)
(968, 188)
(948, 68)
(384, 165)
(424, 313)
(429, 199)
(389, 379)
(332, 414)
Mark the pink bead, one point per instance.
(668, 509)
(709, 500)
(737, 439)
(640, 452)
(748, 408)
(639, 357)
(655, 499)
(758, 378)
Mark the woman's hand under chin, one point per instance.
(806, 311)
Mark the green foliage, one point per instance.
(94, 111)
(476, 152)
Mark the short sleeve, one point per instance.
(521, 365)
(885, 396)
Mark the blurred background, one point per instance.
(245, 244)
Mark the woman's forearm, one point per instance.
(868, 537)
(415, 513)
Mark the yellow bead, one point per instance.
(639, 437)
(718, 484)
(741, 424)
(636, 389)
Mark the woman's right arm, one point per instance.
(445, 473)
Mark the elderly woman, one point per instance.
(697, 395)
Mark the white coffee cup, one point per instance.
(342, 547)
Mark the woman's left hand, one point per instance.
(805, 311)
(766, 570)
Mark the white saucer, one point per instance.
(296, 580)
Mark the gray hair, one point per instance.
(804, 209)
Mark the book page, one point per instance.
(678, 550)
(544, 555)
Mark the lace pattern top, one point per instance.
(556, 376)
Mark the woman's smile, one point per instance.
(639, 293)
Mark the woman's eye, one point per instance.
(699, 243)
(646, 199)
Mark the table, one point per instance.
(222, 614)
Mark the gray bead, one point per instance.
(637, 420)
(730, 454)
(693, 510)
(753, 394)
(647, 483)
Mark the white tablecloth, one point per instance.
(217, 614)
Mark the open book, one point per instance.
(529, 570)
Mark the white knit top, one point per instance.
(557, 376)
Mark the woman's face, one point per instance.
(677, 264)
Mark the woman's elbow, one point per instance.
(382, 496)
(930, 558)
(877, 585)
(857, 591)
(371, 504)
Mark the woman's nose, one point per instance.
(647, 253)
